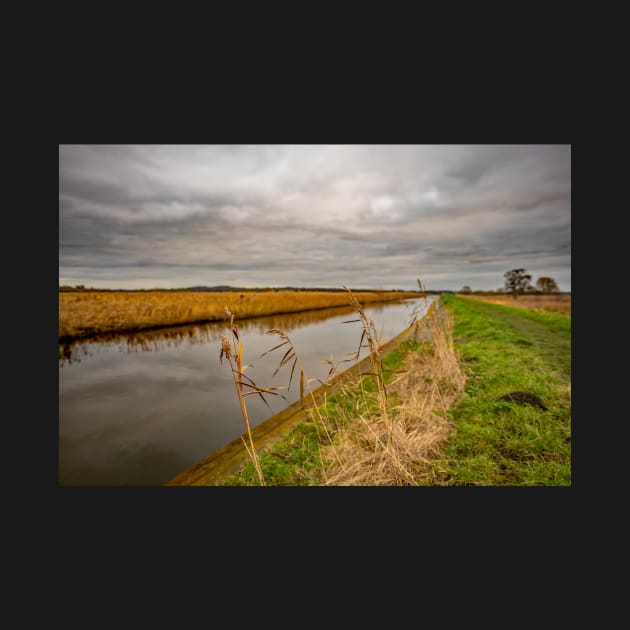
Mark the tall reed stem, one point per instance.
(237, 376)
(374, 345)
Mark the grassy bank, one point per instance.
(446, 423)
(344, 441)
(92, 313)
(374, 431)
(502, 442)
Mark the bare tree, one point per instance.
(516, 282)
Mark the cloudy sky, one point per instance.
(368, 216)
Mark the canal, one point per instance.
(137, 409)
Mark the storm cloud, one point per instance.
(313, 215)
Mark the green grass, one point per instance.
(292, 461)
(502, 349)
(295, 460)
(506, 349)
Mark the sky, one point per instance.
(366, 216)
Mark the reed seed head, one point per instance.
(226, 349)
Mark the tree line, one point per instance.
(518, 282)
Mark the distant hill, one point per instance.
(340, 290)
(225, 287)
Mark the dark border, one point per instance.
(381, 113)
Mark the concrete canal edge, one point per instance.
(228, 459)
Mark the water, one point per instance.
(138, 409)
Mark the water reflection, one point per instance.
(143, 407)
(194, 334)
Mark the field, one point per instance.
(551, 303)
(84, 314)
(484, 400)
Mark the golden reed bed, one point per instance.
(553, 303)
(92, 313)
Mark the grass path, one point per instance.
(548, 332)
(496, 442)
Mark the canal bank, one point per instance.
(228, 459)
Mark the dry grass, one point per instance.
(91, 313)
(373, 449)
(368, 440)
(374, 344)
(234, 353)
(552, 303)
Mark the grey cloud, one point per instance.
(256, 214)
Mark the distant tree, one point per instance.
(516, 282)
(547, 285)
(466, 289)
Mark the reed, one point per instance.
(386, 433)
(374, 343)
(291, 357)
(402, 448)
(291, 360)
(92, 313)
(233, 352)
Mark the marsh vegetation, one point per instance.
(85, 314)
